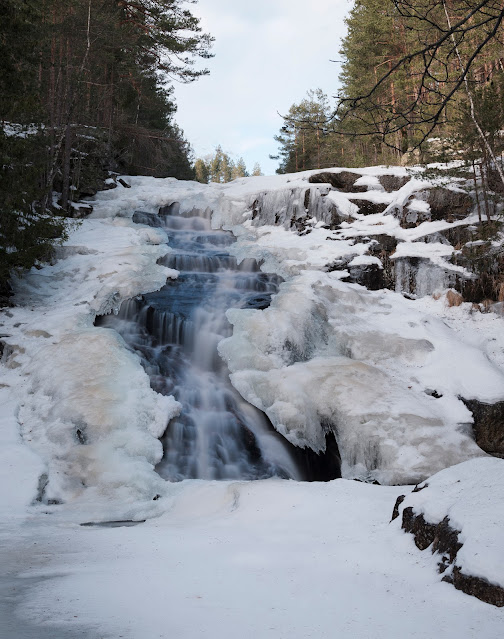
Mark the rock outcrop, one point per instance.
(343, 181)
(488, 426)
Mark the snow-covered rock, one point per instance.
(459, 514)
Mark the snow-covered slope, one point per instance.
(79, 424)
(386, 374)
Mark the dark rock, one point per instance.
(444, 540)
(5, 294)
(149, 219)
(423, 532)
(80, 211)
(170, 209)
(369, 275)
(393, 182)
(113, 524)
(432, 393)
(382, 247)
(366, 207)
(488, 425)
(343, 181)
(494, 181)
(399, 501)
(123, 183)
(89, 191)
(448, 205)
(477, 587)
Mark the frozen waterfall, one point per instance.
(218, 435)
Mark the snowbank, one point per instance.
(471, 497)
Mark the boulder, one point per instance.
(488, 426)
(366, 207)
(444, 540)
(393, 182)
(343, 181)
(456, 513)
(446, 204)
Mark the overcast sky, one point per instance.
(268, 53)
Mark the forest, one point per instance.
(419, 80)
(86, 87)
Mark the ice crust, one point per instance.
(331, 356)
(84, 404)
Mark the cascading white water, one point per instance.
(176, 330)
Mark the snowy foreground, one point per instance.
(261, 559)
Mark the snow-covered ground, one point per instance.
(80, 426)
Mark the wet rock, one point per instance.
(343, 181)
(149, 219)
(170, 209)
(366, 207)
(371, 276)
(393, 182)
(488, 425)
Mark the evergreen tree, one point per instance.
(201, 171)
(94, 80)
(240, 169)
(302, 137)
(257, 169)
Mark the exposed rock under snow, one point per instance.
(458, 514)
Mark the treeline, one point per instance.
(220, 167)
(86, 87)
(412, 70)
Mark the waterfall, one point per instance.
(176, 331)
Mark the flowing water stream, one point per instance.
(176, 330)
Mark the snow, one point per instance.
(331, 355)
(74, 383)
(264, 559)
(471, 496)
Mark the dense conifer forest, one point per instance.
(85, 89)
(418, 77)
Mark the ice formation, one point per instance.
(382, 372)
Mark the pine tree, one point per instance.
(94, 80)
(240, 169)
(201, 171)
(257, 170)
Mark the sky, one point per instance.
(268, 54)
